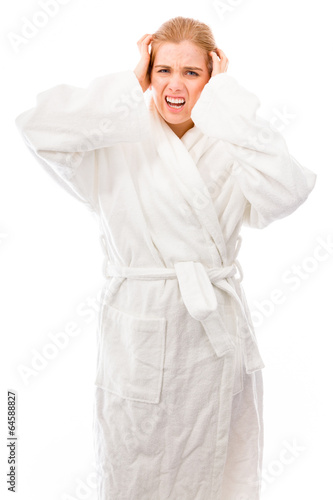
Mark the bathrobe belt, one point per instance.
(196, 288)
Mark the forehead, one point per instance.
(184, 54)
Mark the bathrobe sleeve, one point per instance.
(69, 124)
(272, 181)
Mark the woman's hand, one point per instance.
(220, 62)
(141, 70)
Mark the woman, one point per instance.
(171, 179)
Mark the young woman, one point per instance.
(171, 175)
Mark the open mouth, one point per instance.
(175, 103)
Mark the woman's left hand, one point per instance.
(220, 62)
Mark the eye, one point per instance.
(193, 73)
(161, 70)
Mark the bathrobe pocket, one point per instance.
(131, 355)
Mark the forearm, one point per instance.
(69, 119)
(272, 181)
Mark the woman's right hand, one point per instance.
(141, 70)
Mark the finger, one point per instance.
(224, 61)
(143, 47)
(222, 54)
(216, 62)
(139, 42)
(147, 41)
(142, 38)
(224, 65)
(213, 58)
(213, 55)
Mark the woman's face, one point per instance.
(179, 72)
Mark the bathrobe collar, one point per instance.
(181, 157)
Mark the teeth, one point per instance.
(175, 101)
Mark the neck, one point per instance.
(181, 128)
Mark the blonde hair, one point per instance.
(179, 29)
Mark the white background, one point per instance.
(51, 258)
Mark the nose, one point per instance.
(175, 82)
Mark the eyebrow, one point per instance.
(185, 67)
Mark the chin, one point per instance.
(175, 120)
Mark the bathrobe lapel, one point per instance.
(182, 165)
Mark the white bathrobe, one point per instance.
(178, 409)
